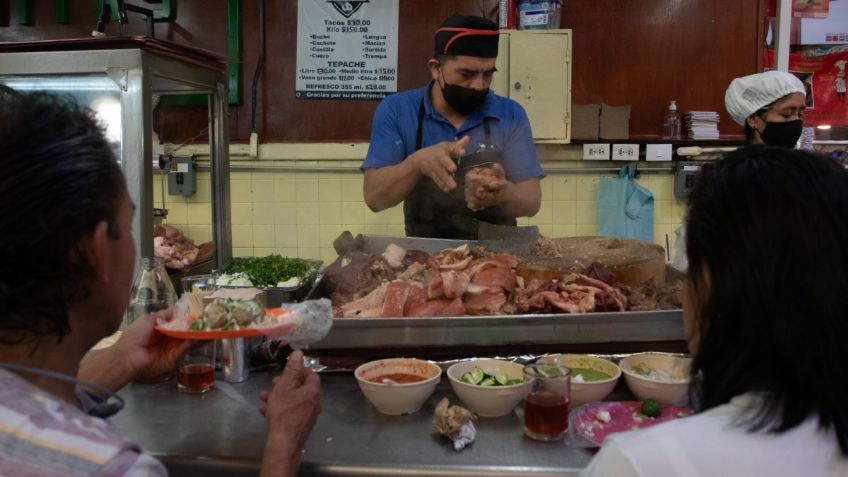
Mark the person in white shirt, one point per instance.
(764, 315)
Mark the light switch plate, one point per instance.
(658, 152)
(596, 152)
(625, 152)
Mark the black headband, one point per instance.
(467, 36)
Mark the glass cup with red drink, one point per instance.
(547, 392)
(197, 369)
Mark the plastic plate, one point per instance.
(226, 334)
(208, 335)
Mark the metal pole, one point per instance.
(783, 22)
(220, 162)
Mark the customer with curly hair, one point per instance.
(66, 264)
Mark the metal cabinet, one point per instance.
(117, 77)
(534, 69)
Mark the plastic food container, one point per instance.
(275, 296)
(539, 15)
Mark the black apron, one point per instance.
(430, 212)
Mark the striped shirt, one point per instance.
(43, 436)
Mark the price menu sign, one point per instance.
(346, 49)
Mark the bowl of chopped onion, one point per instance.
(661, 376)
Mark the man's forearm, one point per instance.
(388, 186)
(521, 199)
(106, 368)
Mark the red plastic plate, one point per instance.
(624, 416)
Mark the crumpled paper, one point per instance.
(456, 423)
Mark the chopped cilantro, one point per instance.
(270, 270)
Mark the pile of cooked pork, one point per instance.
(178, 251)
(462, 281)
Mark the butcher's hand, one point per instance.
(484, 186)
(291, 408)
(140, 353)
(438, 162)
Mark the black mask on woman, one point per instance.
(783, 134)
(463, 100)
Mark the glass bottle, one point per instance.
(152, 289)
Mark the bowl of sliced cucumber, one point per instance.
(488, 387)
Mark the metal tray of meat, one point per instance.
(494, 330)
(579, 328)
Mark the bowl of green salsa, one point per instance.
(592, 378)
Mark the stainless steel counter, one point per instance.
(222, 433)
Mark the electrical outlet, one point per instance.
(596, 152)
(658, 152)
(625, 152)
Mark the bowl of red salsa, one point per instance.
(398, 386)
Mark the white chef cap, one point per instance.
(748, 94)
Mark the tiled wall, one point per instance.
(301, 213)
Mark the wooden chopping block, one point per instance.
(632, 262)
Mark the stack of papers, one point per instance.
(701, 124)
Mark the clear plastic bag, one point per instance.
(311, 321)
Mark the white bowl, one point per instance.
(397, 399)
(587, 391)
(671, 388)
(488, 401)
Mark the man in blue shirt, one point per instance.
(454, 152)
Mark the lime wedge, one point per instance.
(501, 379)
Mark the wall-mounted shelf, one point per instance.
(724, 141)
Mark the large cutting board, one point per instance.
(633, 262)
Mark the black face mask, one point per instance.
(463, 100)
(783, 134)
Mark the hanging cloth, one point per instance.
(625, 209)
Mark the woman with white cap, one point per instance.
(769, 105)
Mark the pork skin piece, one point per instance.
(412, 271)
(503, 260)
(395, 299)
(496, 277)
(417, 305)
(451, 259)
(487, 302)
(441, 308)
(619, 301)
(416, 301)
(450, 284)
(370, 306)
